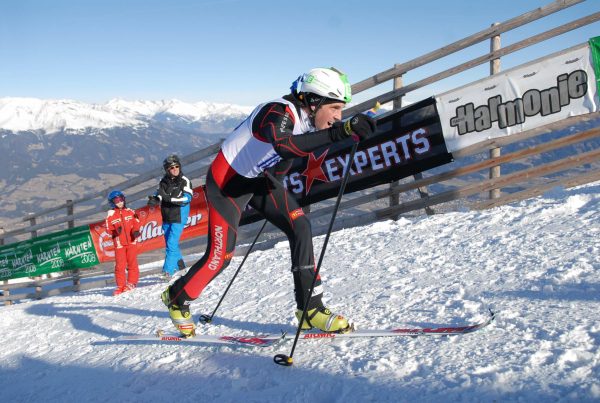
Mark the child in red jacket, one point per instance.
(124, 226)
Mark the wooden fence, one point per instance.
(386, 201)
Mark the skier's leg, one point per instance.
(279, 208)
(166, 227)
(133, 270)
(172, 253)
(120, 264)
(225, 207)
(176, 232)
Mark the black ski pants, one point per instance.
(227, 195)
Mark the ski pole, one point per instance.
(208, 318)
(287, 360)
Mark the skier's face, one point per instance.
(174, 170)
(119, 202)
(328, 114)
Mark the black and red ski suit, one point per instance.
(275, 131)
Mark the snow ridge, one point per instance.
(55, 115)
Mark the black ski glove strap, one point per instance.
(361, 125)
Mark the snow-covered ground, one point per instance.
(536, 262)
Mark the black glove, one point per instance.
(153, 200)
(135, 234)
(118, 230)
(362, 125)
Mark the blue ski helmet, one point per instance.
(113, 195)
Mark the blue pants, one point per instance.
(172, 234)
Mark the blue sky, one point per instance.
(244, 52)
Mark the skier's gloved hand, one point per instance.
(362, 125)
(336, 132)
(153, 200)
(359, 126)
(135, 234)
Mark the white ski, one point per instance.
(267, 340)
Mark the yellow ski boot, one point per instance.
(324, 320)
(180, 316)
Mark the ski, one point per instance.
(268, 340)
(412, 332)
(248, 341)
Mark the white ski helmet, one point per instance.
(327, 83)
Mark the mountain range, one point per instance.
(54, 150)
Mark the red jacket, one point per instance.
(121, 224)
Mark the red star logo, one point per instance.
(314, 171)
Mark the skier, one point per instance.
(124, 226)
(286, 128)
(174, 195)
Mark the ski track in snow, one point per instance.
(535, 262)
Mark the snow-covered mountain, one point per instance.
(536, 262)
(53, 116)
(76, 146)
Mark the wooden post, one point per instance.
(494, 152)
(423, 192)
(70, 209)
(38, 288)
(71, 224)
(32, 222)
(397, 104)
(5, 291)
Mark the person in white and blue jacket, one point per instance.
(174, 195)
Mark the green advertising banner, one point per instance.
(65, 250)
(595, 49)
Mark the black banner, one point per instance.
(407, 142)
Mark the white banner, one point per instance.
(519, 99)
